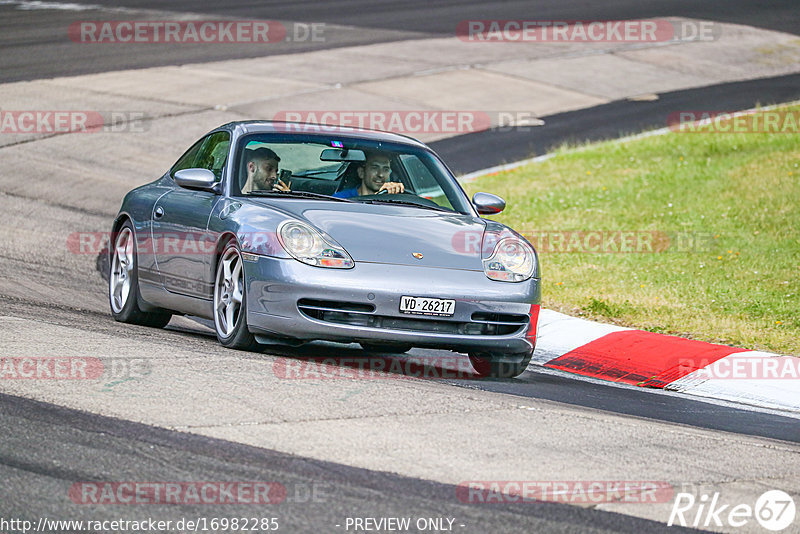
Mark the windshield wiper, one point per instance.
(295, 194)
(405, 203)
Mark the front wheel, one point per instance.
(230, 301)
(123, 283)
(499, 365)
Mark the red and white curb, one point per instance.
(646, 359)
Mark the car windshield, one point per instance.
(345, 168)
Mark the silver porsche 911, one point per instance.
(284, 233)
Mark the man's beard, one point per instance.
(262, 181)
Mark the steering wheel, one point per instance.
(386, 192)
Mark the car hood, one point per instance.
(393, 234)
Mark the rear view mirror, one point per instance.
(488, 204)
(202, 179)
(342, 154)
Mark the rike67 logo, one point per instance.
(774, 510)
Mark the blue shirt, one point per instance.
(346, 193)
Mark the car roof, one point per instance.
(306, 128)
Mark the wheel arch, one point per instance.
(120, 220)
(222, 242)
(117, 224)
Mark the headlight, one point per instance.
(306, 244)
(512, 261)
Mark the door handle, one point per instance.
(159, 212)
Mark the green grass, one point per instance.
(734, 199)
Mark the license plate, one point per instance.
(427, 306)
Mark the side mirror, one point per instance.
(488, 204)
(202, 179)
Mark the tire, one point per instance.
(398, 348)
(123, 283)
(498, 365)
(230, 301)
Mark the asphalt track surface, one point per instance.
(651, 404)
(440, 17)
(35, 44)
(44, 448)
(473, 152)
(319, 495)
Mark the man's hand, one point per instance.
(280, 186)
(392, 188)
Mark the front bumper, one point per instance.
(288, 299)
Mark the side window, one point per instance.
(423, 180)
(421, 177)
(214, 153)
(209, 153)
(187, 160)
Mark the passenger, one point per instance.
(262, 172)
(374, 174)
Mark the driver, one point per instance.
(374, 175)
(262, 171)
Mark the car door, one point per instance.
(183, 246)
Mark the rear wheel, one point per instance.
(123, 283)
(396, 348)
(230, 301)
(500, 365)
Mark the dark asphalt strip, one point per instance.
(442, 16)
(35, 44)
(472, 152)
(51, 448)
(679, 409)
